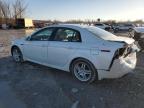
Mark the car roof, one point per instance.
(69, 25)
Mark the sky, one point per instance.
(85, 9)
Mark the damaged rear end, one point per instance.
(120, 59)
(124, 59)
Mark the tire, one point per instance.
(84, 71)
(17, 55)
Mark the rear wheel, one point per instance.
(17, 55)
(84, 71)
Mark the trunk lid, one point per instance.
(122, 39)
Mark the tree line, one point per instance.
(12, 10)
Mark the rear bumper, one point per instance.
(120, 67)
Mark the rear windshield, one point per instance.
(100, 33)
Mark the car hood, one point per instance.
(18, 41)
(122, 39)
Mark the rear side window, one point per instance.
(67, 35)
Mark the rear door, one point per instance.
(62, 46)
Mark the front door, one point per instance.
(36, 48)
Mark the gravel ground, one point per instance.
(31, 85)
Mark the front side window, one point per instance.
(67, 35)
(42, 35)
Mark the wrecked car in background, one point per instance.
(88, 52)
(138, 36)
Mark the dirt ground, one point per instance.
(30, 85)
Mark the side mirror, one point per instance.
(28, 38)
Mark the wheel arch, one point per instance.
(14, 46)
(82, 58)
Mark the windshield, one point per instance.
(100, 33)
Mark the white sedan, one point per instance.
(88, 52)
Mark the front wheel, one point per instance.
(17, 55)
(84, 71)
